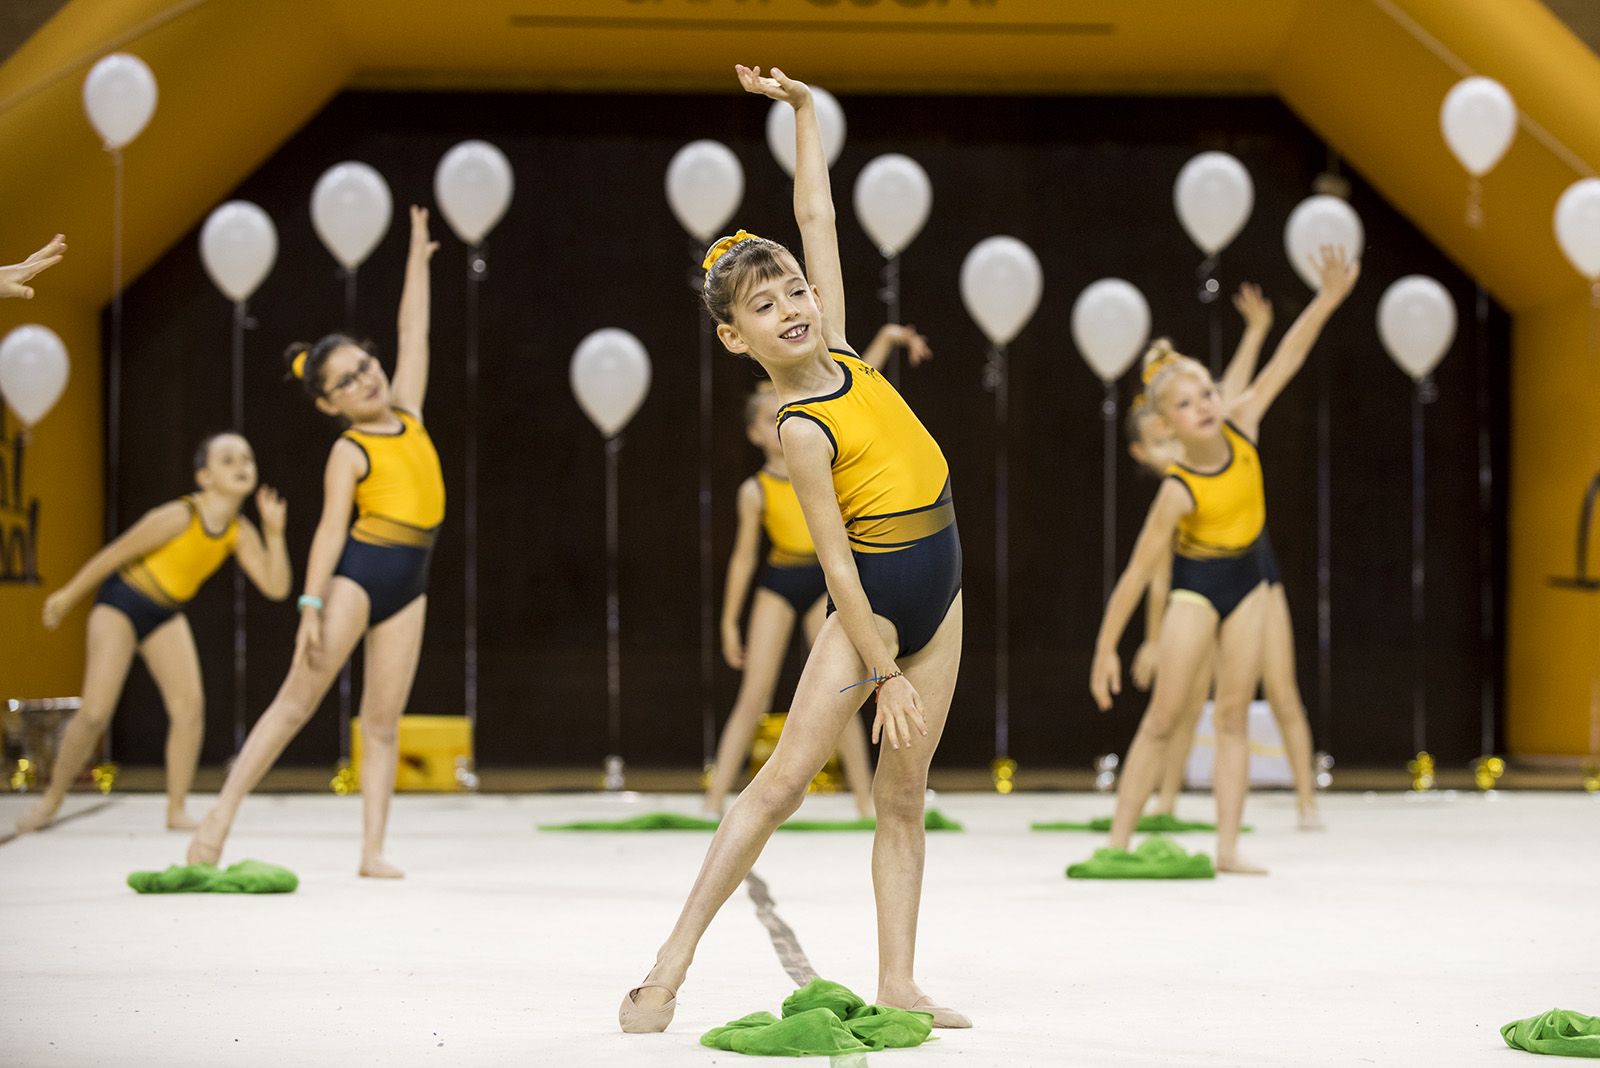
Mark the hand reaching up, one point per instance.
(14, 279)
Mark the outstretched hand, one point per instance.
(14, 279)
(273, 509)
(776, 85)
(1336, 273)
(1255, 309)
(918, 351)
(421, 243)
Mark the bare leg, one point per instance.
(111, 644)
(766, 642)
(1238, 672)
(1188, 632)
(1283, 695)
(343, 620)
(817, 715)
(853, 755)
(393, 648)
(1183, 739)
(900, 844)
(170, 655)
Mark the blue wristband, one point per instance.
(308, 601)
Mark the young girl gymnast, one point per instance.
(144, 579)
(1278, 672)
(1209, 514)
(369, 579)
(789, 586)
(875, 491)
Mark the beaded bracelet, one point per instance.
(308, 601)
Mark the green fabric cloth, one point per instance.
(1161, 823)
(932, 820)
(1559, 1031)
(822, 1019)
(245, 877)
(1155, 858)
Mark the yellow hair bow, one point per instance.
(298, 367)
(1139, 401)
(723, 245)
(1156, 366)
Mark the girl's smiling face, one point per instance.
(354, 385)
(776, 319)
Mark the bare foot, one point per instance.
(206, 845)
(40, 816)
(378, 868)
(181, 821)
(911, 997)
(1237, 865)
(1311, 820)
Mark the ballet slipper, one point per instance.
(942, 1016)
(640, 1021)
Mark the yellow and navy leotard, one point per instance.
(154, 588)
(399, 507)
(1218, 554)
(893, 488)
(791, 569)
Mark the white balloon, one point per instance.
(473, 185)
(610, 376)
(350, 210)
(1417, 322)
(892, 199)
(1213, 195)
(33, 371)
(1001, 282)
(1317, 221)
(780, 128)
(119, 96)
(1578, 226)
(1479, 119)
(238, 246)
(704, 186)
(1110, 324)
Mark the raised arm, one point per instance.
(741, 570)
(154, 529)
(810, 455)
(263, 554)
(1172, 503)
(14, 279)
(892, 335)
(410, 386)
(1257, 313)
(1337, 276)
(347, 465)
(813, 198)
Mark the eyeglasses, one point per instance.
(345, 382)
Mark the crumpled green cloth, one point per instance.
(1155, 858)
(932, 820)
(1559, 1031)
(245, 877)
(1160, 823)
(821, 1019)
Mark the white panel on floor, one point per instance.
(1269, 763)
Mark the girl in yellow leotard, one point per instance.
(1208, 514)
(875, 490)
(789, 585)
(363, 579)
(1278, 677)
(144, 578)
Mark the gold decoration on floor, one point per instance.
(1486, 772)
(1003, 771)
(24, 776)
(346, 780)
(1591, 776)
(827, 781)
(1421, 770)
(104, 775)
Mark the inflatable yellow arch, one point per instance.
(238, 77)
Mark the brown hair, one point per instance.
(755, 259)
